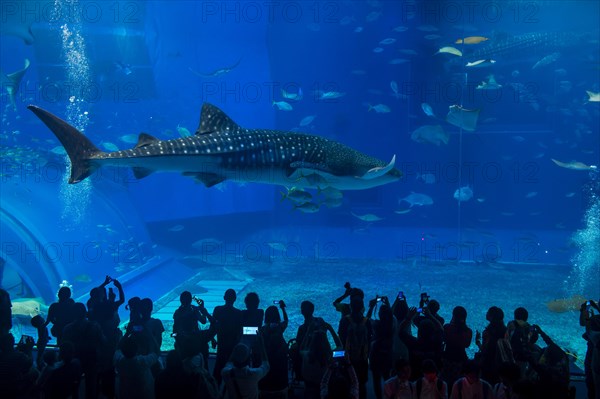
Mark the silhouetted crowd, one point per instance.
(97, 359)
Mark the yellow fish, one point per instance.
(566, 304)
(450, 50)
(471, 40)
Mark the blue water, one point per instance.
(121, 68)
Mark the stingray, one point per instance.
(15, 21)
(12, 81)
(463, 118)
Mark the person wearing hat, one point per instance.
(240, 379)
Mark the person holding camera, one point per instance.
(275, 383)
(240, 379)
(381, 354)
(316, 359)
(187, 317)
(134, 375)
(313, 329)
(340, 380)
(356, 333)
(252, 316)
(344, 308)
(428, 344)
(551, 368)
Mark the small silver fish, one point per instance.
(387, 41)
(307, 120)
(282, 105)
(379, 108)
(428, 110)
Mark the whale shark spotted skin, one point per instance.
(222, 150)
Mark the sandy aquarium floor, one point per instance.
(476, 287)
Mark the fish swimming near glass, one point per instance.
(507, 47)
(222, 150)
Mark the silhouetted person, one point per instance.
(427, 345)
(490, 356)
(589, 313)
(241, 380)
(105, 311)
(521, 335)
(344, 308)
(187, 316)
(134, 375)
(17, 374)
(229, 330)
(39, 324)
(135, 315)
(434, 308)
(252, 316)
(305, 333)
(315, 361)
(430, 386)
(5, 312)
(61, 313)
(98, 297)
(399, 386)
(153, 325)
(510, 374)
(49, 364)
(173, 382)
(552, 369)
(89, 341)
(276, 380)
(457, 337)
(63, 382)
(381, 355)
(471, 386)
(340, 380)
(355, 334)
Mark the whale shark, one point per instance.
(222, 150)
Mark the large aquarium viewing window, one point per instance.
(286, 148)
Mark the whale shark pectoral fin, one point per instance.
(380, 170)
(208, 179)
(140, 173)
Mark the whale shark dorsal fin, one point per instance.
(145, 139)
(212, 119)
